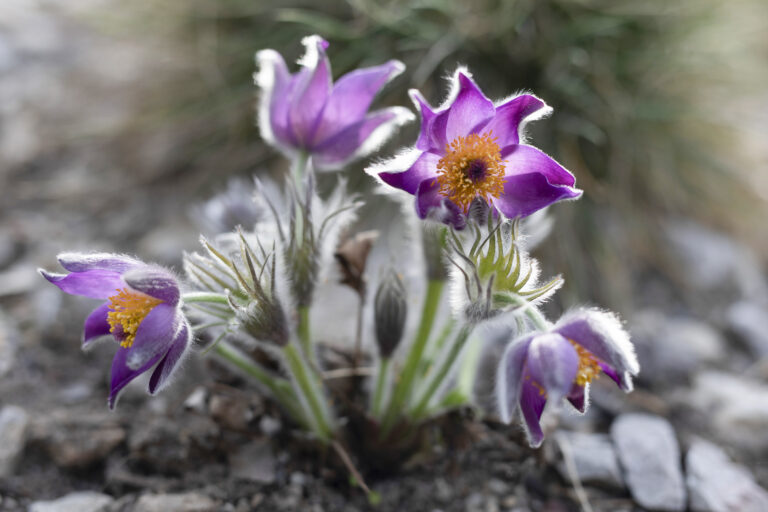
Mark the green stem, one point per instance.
(304, 331)
(213, 298)
(311, 389)
(532, 312)
(438, 376)
(378, 394)
(299, 167)
(403, 388)
(280, 388)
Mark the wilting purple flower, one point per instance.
(472, 148)
(561, 363)
(142, 312)
(306, 112)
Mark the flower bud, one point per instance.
(265, 321)
(389, 313)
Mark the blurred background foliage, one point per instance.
(653, 102)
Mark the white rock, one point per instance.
(13, 434)
(737, 405)
(184, 502)
(255, 462)
(86, 501)
(649, 453)
(712, 261)
(715, 484)
(594, 458)
(749, 320)
(670, 348)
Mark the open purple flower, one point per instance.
(142, 312)
(306, 113)
(560, 363)
(472, 148)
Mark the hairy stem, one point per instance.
(310, 389)
(304, 332)
(280, 388)
(403, 387)
(205, 297)
(378, 393)
(438, 375)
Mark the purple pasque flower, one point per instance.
(561, 363)
(473, 148)
(306, 112)
(142, 312)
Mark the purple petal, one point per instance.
(155, 281)
(154, 335)
(97, 284)
(468, 113)
(578, 397)
(356, 140)
(602, 334)
(81, 262)
(528, 193)
(122, 374)
(277, 88)
(523, 159)
(508, 122)
(311, 92)
(424, 142)
(351, 96)
(509, 376)
(428, 197)
(532, 403)
(409, 180)
(553, 363)
(96, 324)
(171, 360)
(430, 203)
(610, 372)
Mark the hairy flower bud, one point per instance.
(265, 321)
(390, 310)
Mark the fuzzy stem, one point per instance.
(280, 388)
(310, 388)
(299, 167)
(304, 332)
(403, 388)
(533, 313)
(378, 393)
(438, 376)
(205, 297)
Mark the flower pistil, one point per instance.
(127, 309)
(472, 167)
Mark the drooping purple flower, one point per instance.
(473, 148)
(561, 363)
(307, 112)
(142, 312)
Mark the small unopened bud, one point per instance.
(390, 309)
(265, 321)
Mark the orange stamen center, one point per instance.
(127, 309)
(472, 167)
(589, 367)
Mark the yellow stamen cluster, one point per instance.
(455, 180)
(589, 367)
(127, 310)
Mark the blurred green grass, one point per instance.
(641, 92)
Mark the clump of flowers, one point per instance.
(472, 177)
